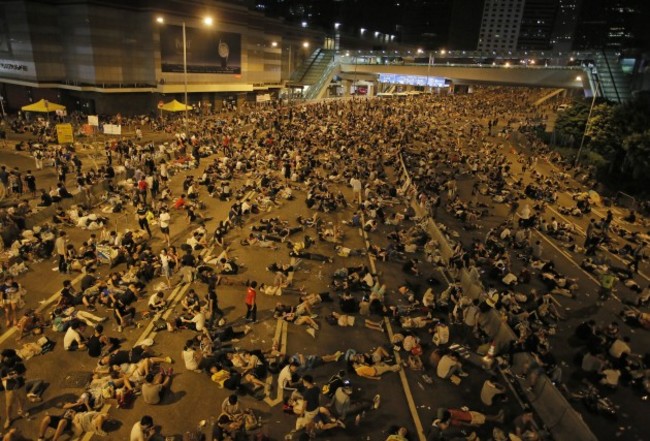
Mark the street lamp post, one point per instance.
(185, 73)
(584, 133)
(428, 69)
(208, 22)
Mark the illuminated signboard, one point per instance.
(412, 80)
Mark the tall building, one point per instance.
(500, 25)
(612, 24)
(537, 25)
(465, 24)
(565, 24)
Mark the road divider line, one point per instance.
(45, 304)
(571, 260)
(398, 359)
(278, 338)
(582, 232)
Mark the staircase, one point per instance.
(317, 90)
(313, 68)
(613, 83)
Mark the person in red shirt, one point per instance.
(251, 302)
(142, 190)
(180, 202)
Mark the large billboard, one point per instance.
(208, 51)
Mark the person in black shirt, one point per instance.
(98, 341)
(188, 259)
(311, 393)
(213, 304)
(13, 381)
(141, 214)
(30, 180)
(89, 279)
(46, 199)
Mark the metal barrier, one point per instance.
(625, 200)
(558, 416)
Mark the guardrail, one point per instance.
(558, 416)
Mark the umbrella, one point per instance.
(42, 106)
(175, 106)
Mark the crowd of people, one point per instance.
(404, 169)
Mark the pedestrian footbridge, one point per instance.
(595, 73)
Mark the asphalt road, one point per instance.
(194, 398)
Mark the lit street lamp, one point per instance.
(206, 21)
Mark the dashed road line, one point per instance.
(45, 304)
(398, 359)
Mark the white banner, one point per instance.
(93, 120)
(112, 129)
(261, 98)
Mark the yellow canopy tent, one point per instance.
(42, 106)
(175, 106)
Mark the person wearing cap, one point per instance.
(344, 405)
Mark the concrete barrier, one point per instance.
(558, 416)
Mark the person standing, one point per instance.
(13, 381)
(637, 256)
(38, 159)
(141, 214)
(30, 180)
(142, 189)
(213, 304)
(163, 220)
(355, 183)
(60, 247)
(251, 302)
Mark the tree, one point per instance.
(570, 124)
(636, 162)
(605, 131)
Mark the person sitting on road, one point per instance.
(154, 387)
(450, 365)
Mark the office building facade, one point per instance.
(500, 25)
(118, 55)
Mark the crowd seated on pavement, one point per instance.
(435, 323)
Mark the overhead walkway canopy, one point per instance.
(561, 77)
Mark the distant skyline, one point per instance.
(472, 24)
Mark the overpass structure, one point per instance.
(597, 74)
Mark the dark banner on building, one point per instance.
(208, 51)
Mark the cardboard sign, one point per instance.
(112, 129)
(64, 133)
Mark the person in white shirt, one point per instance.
(72, 339)
(620, 347)
(440, 333)
(285, 377)
(450, 365)
(157, 302)
(143, 429)
(164, 220)
(355, 183)
(191, 357)
(165, 268)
